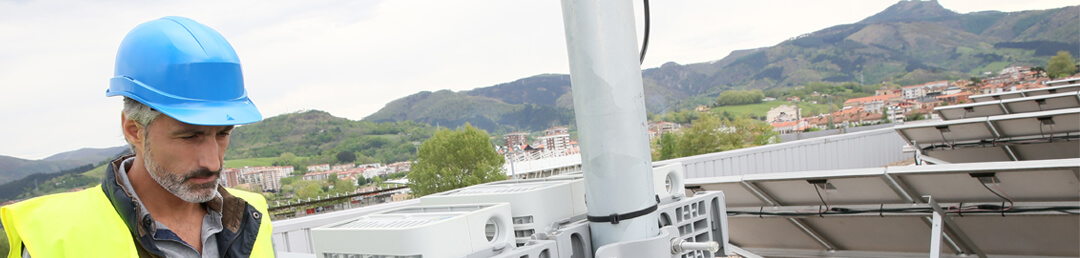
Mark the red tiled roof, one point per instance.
(870, 99)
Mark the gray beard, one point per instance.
(174, 183)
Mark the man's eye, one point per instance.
(223, 134)
(188, 137)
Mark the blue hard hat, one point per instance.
(185, 70)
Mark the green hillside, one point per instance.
(319, 135)
(909, 43)
(12, 168)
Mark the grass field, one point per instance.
(98, 172)
(253, 162)
(759, 110)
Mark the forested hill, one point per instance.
(908, 43)
(318, 134)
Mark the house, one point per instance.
(872, 103)
(790, 126)
(664, 127)
(956, 98)
(783, 113)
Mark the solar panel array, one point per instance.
(882, 212)
(1004, 172)
(1032, 124)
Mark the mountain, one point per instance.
(909, 11)
(12, 168)
(908, 43)
(320, 135)
(529, 104)
(88, 155)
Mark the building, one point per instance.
(342, 167)
(516, 139)
(922, 90)
(787, 127)
(558, 143)
(664, 127)
(403, 166)
(267, 178)
(558, 130)
(783, 113)
(872, 103)
(317, 168)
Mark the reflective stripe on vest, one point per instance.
(83, 223)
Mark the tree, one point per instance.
(735, 97)
(667, 146)
(455, 159)
(711, 134)
(361, 180)
(344, 186)
(3, 244)
(1061, 65)
(346, 156)
(310, 191)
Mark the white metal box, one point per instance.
(429, 231)
(534, 203)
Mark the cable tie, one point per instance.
(760, 211)
(614, 218)
(960, 210)
(881, 210)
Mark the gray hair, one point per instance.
(141, 114)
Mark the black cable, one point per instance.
(995, 193)
(645, 40)
(819, 197)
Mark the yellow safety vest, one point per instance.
(84, 224)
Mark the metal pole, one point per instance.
(935, 236)
(513, 171)
(609, 104)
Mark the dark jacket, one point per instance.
(240, 221)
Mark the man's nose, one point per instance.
(209, 154)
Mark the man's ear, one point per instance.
(133, 131)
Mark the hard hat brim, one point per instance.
(212, 113)
(191, 111)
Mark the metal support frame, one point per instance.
(934, 160)
(952, 227)
(1012, 155)
(935, 234)
(905, 191)
(993, 129)
(799, 223)
(1004, 108)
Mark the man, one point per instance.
(183, 93)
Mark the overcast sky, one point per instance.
(350, 57)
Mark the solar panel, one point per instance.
(1043, 102)
(1025, 93)
(1010, 106)
(1043, 124)
(881, 212)
(947, 131)
(969, 110)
